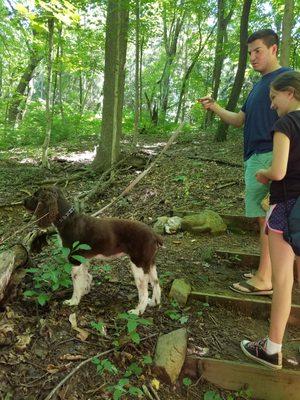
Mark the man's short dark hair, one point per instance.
(268, 36)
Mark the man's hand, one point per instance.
(260, 177)
(207, 102)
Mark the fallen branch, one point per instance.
(17, 203)
(142, 174)
(222, 162)
(104, 353)
(224, 185)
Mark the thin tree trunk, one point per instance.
(19, 93)
(137, 71)
(80, 92)
(221, 134)
(287, 25)
(219, 52)
(170, 43)
(45, 147)
(188, 73)
(60, 55)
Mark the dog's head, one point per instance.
(44, 205)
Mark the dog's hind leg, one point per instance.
(141, 281)
(156, 295)
(82, 281)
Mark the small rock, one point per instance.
(180, 291)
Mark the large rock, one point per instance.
(180, 291)
(170, 355)
(206, 221)
(168, 225)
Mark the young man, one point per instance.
(258, 118)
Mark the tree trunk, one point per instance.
(19, 93)
(287, 24)
(45, 147)
(137, 71)
(114, 77)
(170, 43)
(219, 52)
(80, 92)
(60, 71)
(221, 134)
(188, 72)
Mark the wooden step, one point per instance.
(262, 381)
(238, 223)
(254, 307)
(248, 260)
(238, 257)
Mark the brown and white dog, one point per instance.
(108, 238)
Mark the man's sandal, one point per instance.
(250, 289)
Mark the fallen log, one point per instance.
(17, 256)
(10, 260)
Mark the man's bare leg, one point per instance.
(262, 279)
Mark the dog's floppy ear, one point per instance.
(47, 209)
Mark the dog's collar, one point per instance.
(66, 215)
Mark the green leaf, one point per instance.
(118, 393)
(65, 251)
(75, 244)
(95, 361)
(98, 326)
(43, 298)
(133, 369)
(30, 293)
(211, 395)
(135, 391)
(147, 360)
(131, 325)
(81, 259)
(184, 319)
(32, 270)
(186, 381)
(143, 321)
(83, 247)
(135, 337)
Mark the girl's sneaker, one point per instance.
(258, 352)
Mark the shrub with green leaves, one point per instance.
(133, 322)
(176, 314)
(55, 274)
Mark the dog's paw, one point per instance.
(71, 302)
(152, 302)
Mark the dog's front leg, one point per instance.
(82, 281)
(141, 281)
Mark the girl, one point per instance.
(285, 188)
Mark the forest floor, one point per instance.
(39, 347)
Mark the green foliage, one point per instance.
(176, 314)
(98, 326)
(211, 395)
(133, 322)
(186, 381)
(54, 274)
(71, 128)
(105, 366)
(123, 388)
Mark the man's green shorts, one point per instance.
(255, 191)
